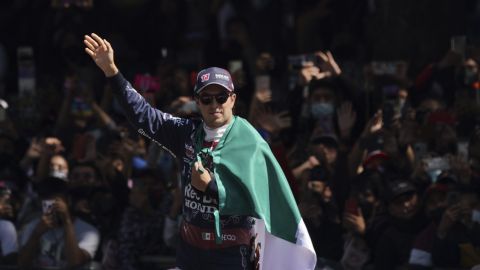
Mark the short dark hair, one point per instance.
(324, 83)
(91, 164)
(51, 186)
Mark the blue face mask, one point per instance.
(321, 109)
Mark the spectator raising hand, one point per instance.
(346, 117)
(273, 122)
(328, 64)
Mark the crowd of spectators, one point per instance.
(371, 108)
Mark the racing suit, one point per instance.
(197, 248)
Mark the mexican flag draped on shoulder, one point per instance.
(251, 182)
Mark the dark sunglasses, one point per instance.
(220, 98)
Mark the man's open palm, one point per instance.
(101, 52)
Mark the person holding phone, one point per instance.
(223, 191)
(57, 238)
(320, 210)
(404, 221)
(457, 240)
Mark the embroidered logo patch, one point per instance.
(205, 77)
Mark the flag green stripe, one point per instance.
(251, 182)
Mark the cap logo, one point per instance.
(205, 77)
(222, 76)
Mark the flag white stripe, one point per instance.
(279, 254)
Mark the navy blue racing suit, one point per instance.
(197, 247)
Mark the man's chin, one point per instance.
(215, 123)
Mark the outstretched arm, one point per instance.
(162, 128)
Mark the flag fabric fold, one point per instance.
(251, 182)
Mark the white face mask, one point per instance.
(59, 174)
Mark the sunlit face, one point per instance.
(58, 163)
(214, 114)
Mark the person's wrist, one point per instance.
(67, 221)
(345, 135)
(111, 71)
(358, 231)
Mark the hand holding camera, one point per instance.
(353, 218)
(449, 217)
(55, 213)
(51, 146)
(48, 220)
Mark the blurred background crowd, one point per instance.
(371, 107)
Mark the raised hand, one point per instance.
(273, 122)
(329, 64)
(374, 124)
(309, 72)
(35, 149)
(102, 53)
(449, 217)
(51, 146)
(346, 117)
(60, 208)
(355, 223)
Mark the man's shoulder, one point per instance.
(246, 131)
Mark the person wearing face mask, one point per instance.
(321, 104)
(51, 161)
(227, 172)
(58, 238)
